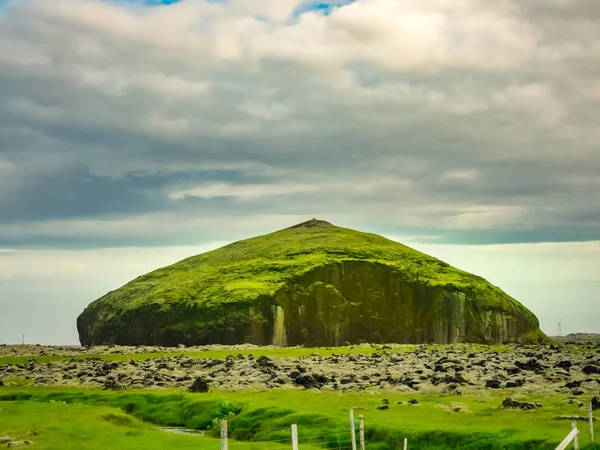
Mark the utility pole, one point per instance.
(559, 329)
(23, 339)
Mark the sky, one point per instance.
(136, 133)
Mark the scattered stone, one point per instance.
(388, 372)
(200, 384)
(590, 368)
(412, 401)
(580, 418)
(531, 365)
(493, 384)
(19, 443)
(595, 403)
(564, 364)
(383, 407)
(509, 403)
(112, 383)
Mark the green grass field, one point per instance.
(77, 427)
(264, 419)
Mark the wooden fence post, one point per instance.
(361, 432)
(294, 437)
(570, 437)
(223, 435)
(591, 419)
(352, 430)
(405, 443)
(576, 438)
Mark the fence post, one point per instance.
(361, 432)
(591, 419)
(294, 437)
(405, 443)
(576, 438)
(223, 435)
(352, 429)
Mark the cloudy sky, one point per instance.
(133, 134)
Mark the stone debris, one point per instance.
(509, 403)
(425, 368)
(199, 385)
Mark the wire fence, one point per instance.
(345, 440)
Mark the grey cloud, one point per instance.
(107, 121)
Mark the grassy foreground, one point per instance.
(76, 427)
(262, 418)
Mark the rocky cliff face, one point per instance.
(337, 301)
(347, 302)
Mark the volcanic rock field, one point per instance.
(430, 370)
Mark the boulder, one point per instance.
(590, 369)
(200, 384)
(509, 403)
(493, 383)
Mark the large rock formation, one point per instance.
(313, 284)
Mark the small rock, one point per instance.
(19, 443)
(595, 403)
(385, 401)
(509, 403)
(493, 383)
(564, 364)
(383, 407)
(413, 401)
(112, 383)
(199, 385)
(589, 369)
(532, 365)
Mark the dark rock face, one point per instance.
(351, 302)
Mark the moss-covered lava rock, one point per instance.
(313, 284)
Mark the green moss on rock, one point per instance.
(313, 284)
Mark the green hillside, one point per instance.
(237, 286)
